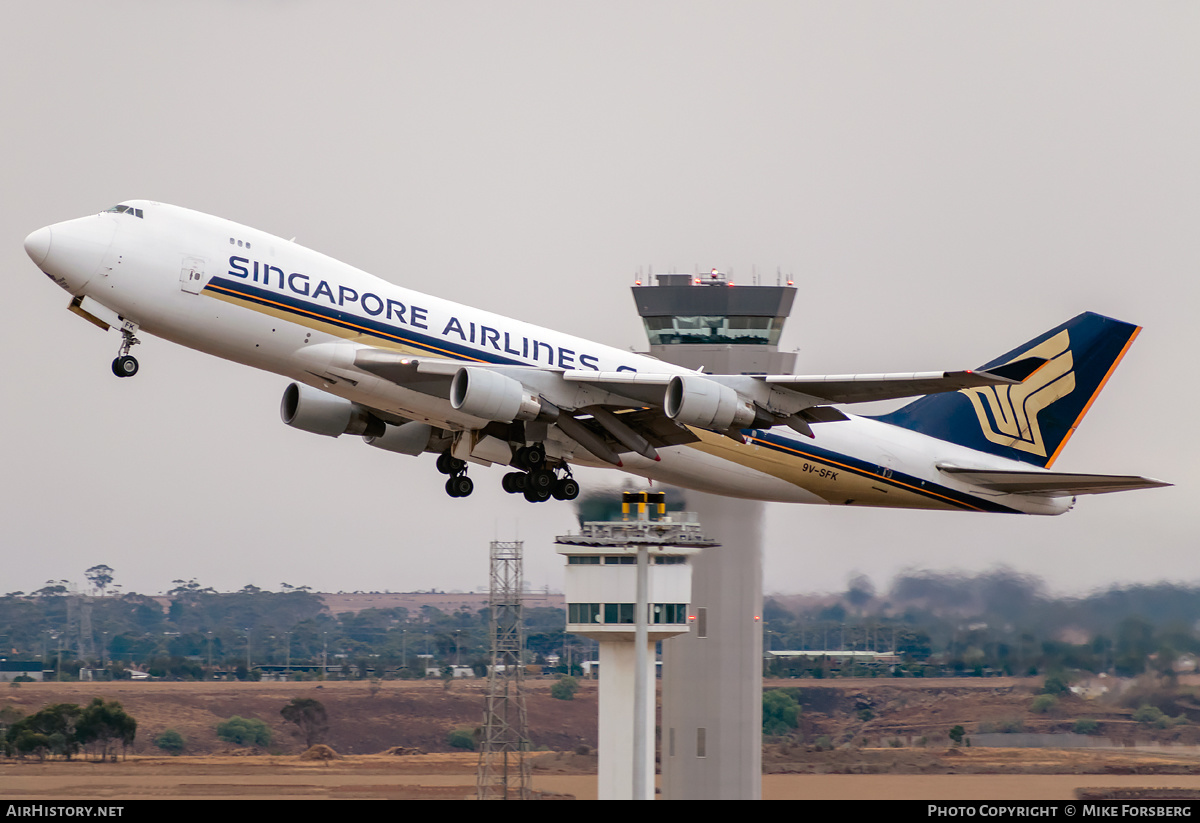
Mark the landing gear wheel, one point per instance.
(566, 489)
(535, 455)
(125, 366)
(537, 495)
(514, 482)
(530, 458)
(542, 480)
(449, 465)
(460, 486)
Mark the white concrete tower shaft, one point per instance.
(712, 677)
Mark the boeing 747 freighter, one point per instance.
(412, 373)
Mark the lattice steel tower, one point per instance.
(504, 769)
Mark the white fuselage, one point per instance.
(248, 296)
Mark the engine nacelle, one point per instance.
(313, 410)
(410, 438)
(490, 395)
(706, 404)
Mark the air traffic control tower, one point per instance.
(708, 321)
(712, 677)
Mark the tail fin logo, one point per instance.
(1008, 415)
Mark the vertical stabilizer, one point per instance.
(1033, 420)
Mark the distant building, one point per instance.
(12, 669)
(841, 656)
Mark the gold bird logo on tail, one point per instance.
(1008, 415)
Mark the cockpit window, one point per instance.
(119, 209)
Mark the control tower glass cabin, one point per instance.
(708, 321)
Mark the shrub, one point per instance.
(1148, 714)
(1055, 684)
(564, 688)
(170, 741)
(1086, 725)
(461, 738)
(244, 732)
(1043, 704)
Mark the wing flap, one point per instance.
(1051, 484)
(430, 377)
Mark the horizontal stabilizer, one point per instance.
(1051, 484)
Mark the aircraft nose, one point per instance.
(71, 253)
(37, 245)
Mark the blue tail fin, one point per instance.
(1030, 421)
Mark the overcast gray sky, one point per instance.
(944, 180)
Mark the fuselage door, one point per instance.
(191, 278)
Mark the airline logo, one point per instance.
(1008, 415)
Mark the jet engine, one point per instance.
(409, 438)
(313, 410)
(490, 395)
(706, 404)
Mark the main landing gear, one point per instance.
(126, 365)
(537, 482)
(459, 485)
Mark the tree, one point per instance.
(51, 730)
(100, 576)
(780, 712)
(956, 735)
(105, 723)
(309, 715)
(31, 742)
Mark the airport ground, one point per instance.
(390, 742)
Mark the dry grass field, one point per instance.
(366, 722)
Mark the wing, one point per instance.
(865, 388)
(610, 413)
(1051, 484)
(828, 389)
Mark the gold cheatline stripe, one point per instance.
(868, 474)
(1095, 394)
(374, 332)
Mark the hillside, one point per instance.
(856, 713)
(412, 714)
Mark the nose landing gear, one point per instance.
(126, 365)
